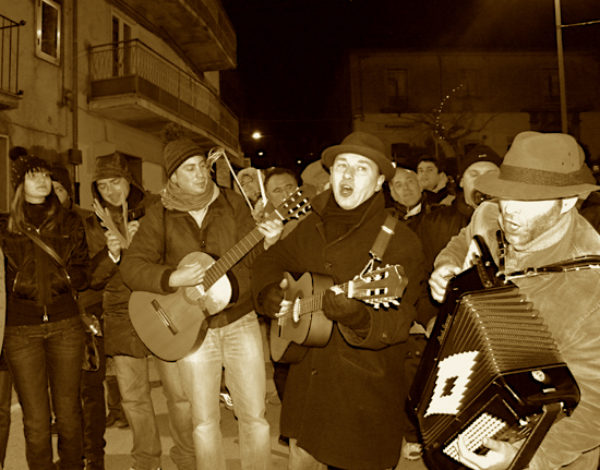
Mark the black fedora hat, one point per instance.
(365, 144)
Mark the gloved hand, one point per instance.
(348, 312)
(269, 299)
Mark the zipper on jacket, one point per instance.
(14, 286)
(45, 316)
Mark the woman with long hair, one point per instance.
(46, 261)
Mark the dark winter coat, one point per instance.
(146, 266)
(119, 335)
(344, 402)
(35, 283)
(439, 225)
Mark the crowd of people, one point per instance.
(343, 402)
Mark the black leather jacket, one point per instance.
(37, 288)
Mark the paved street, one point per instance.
(118, 441)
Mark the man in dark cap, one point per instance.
(196, 217)
(343, 402)
(532, 222)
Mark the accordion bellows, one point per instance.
(497, 367)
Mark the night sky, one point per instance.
(290, 52)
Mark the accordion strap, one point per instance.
(574, 264)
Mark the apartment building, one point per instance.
(443, 101)
(83, 78)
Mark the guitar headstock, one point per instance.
(295, 205)
(379, 287)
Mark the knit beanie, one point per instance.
(479, 153)
(61, 175)
(112, 165)
(23, 163)
(177, 151)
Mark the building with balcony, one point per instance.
(443, 101)
(79, 79)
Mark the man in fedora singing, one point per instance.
(343, 402)
(534, 212)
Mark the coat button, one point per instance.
(313, 372)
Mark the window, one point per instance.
(48, 31)
(121, 37)
(397, 88)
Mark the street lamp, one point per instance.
(561, 62)
(256, 135)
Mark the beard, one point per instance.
(520, 230)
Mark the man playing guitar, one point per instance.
(343, 401)
(195, 215)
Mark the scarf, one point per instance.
(173, 198)
(339, 221)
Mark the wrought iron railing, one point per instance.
(177, 89)
(9, 55)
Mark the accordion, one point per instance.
(490, 369)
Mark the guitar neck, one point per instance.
(314, 303)
(229, 259)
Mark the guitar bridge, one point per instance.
(164, 316)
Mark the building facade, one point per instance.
(443, 101)
(83, 78)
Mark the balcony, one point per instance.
(10, 93)
(131, 83)
(199, 29)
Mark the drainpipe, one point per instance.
(75, 154)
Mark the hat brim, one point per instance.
(384, 163)
(493, 185)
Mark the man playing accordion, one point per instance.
(532, 222)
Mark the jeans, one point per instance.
(238, 348)
(5, 402)
(134, 384)
(38, 355)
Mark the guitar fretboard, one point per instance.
(229, 259)
(314, 302)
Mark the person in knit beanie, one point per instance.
(46, 262)
(177, 151)
(23, 163)
(171, 251)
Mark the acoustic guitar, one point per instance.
(305, 324)
(174, 325)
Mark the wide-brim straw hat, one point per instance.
(540, 166)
